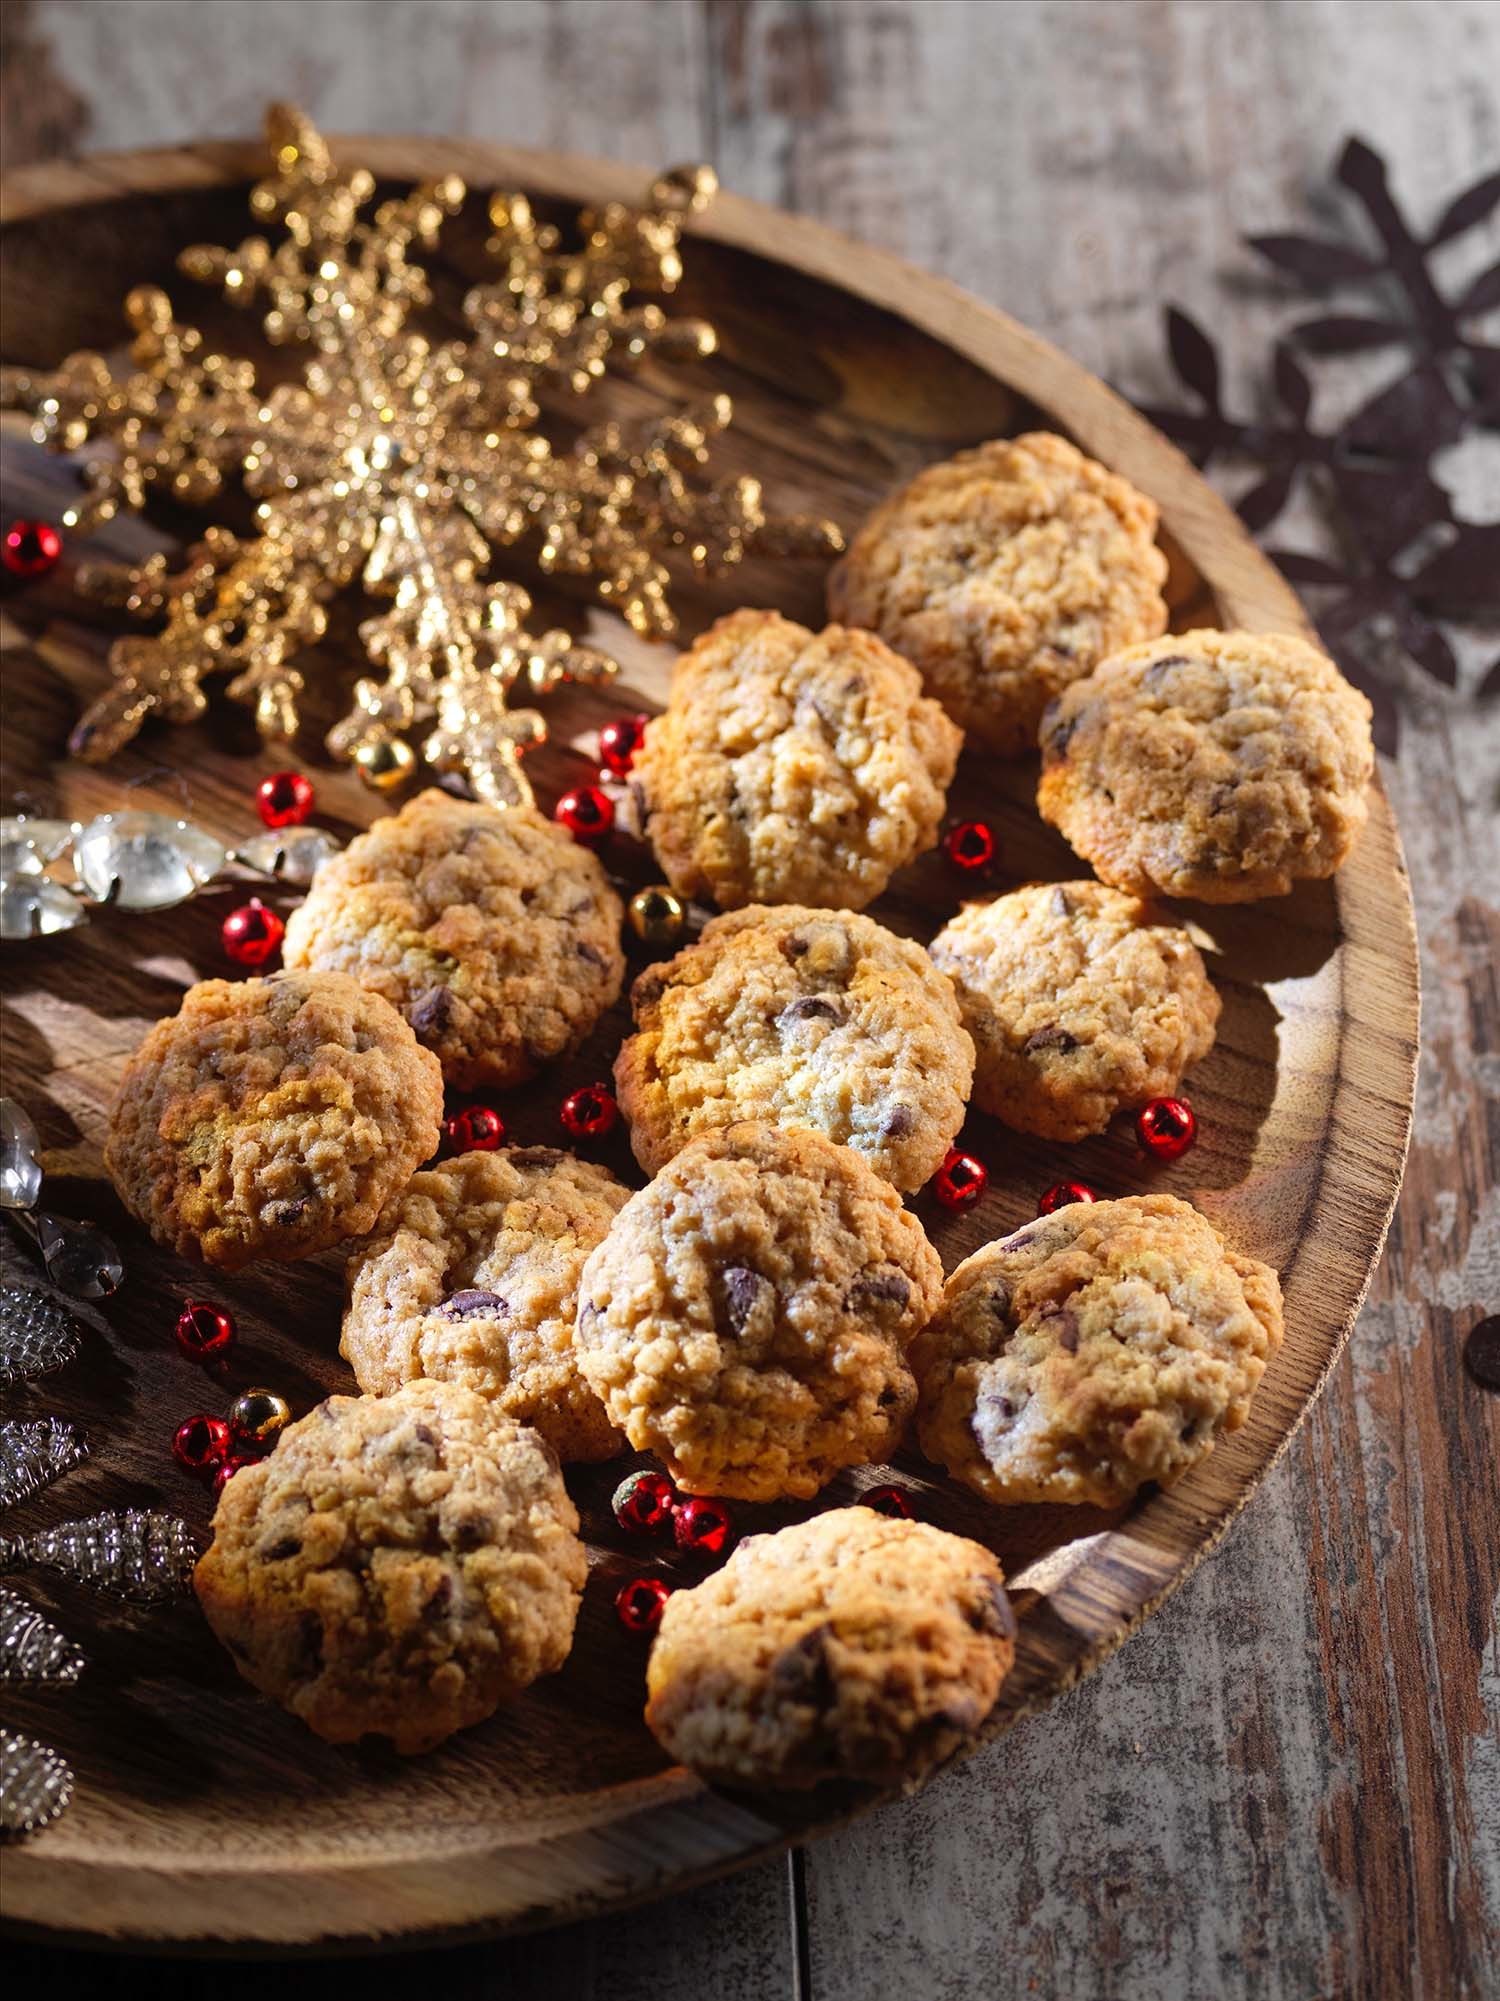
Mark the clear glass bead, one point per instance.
(155, 860)
(27, 845)
(31, 906)
(79, 1257)
(291, 854)
(20, 1169)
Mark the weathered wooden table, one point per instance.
(1289, 1783)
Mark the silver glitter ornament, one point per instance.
(32, 1649)
(36, 1783)
(139, 1554)
(32, 1453)
(37, 1335)
(145, 861)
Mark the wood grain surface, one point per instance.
(1288, 1783)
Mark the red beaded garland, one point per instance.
(285, 799)
(640, 1603)
(1061, 1193)
(970, 845)
(31, 548)
(618, 743)
(644, 1503)
(891, 1501)
(589, 1113)
(480, 1129)
(229, 1466)
(702, 1526)
(586, 812)
(205, 1332)
(199, 1444)
(252, 934)
(961, 1180)
(1166, 1127)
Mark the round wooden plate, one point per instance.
(206, 1817)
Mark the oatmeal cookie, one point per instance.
(816, 1018)
(850, 1646)
(748, 1315)
(399, 1566)
(1218, 765)
(473, 1279)
(1002, 575)
(271, 1118)
(793, 767)
(1102, 1346)
(1079, 999)
(493, 931)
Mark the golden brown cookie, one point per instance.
(1102, 1346)
(492, 930)
(1219, 765)
(817, 1018)
(748, 1315)
(398, 1567)
(1002, 575)
(793, 767)
(850, 1646)
(271, 1118)
(472, 1278)
(1079, 1000)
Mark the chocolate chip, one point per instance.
(1158, 671)
(803, 1672)
(582, 907)
(1017, 1238)
(991, 1611)
(793, 945)
(279, 1551)
(742, 1288)
(431, 1012)
(878, 1285)
(899, 1123)
(1061, 904)
(811, 1008)
(1062, 1324)
(1050, 1037)
(647, 991)
(471, 1304)
(536, 1156)
(1000, 1299)
(425, 1434)
(473, 1532)
(1058, 734)
(285, 1214)
(591, 953)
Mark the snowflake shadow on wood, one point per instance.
(400, 463)
(1405, 559)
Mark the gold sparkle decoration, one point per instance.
(401, 463)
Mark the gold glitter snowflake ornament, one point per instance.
(400, 464)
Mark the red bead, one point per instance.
(970, 845)
(229, 1466)
(31, 548)
(205, 1332)
(586, 812)
(285, 799)
(477, 1130)
(1166, 1127)
(619, 741)
(702, 1526)
(1061, 1193)
(890, 1501)
(961, 1180)
(200, 1443)
(252, 934)
(644, 1503)
(589, 1113)
(640, 1604)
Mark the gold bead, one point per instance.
(386, 763)
(257, 1416)
(657, 916)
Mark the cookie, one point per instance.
(1102, 1346)
(1002, 575)
(748, 1315)
(493, 931)
(1079, 1000)
(398, 1567)
(472, 1278)
(271, 1118)
(793, 767)
(815, 1018)
(1219, 765)
(850, 1646)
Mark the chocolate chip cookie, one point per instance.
(793, 767)
(748, 1315)
(271, 1118)
(1002, 575)
(472, 1278)
(851, 1646)
(1102, 1346)
(1219, 765)
(817, 1018)
(494, 933)
(1079, 999)
(398, 1567)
